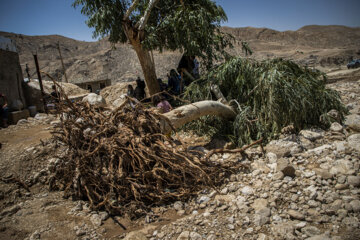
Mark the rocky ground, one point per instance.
(304, 186)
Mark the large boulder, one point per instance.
(353, 142)
(283, 148)
(95, 100)
(353, 122)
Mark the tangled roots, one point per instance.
(120, 161)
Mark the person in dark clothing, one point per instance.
(130, 91)
(55, 96)
(174, 82)
(140, 89)
(163, 86)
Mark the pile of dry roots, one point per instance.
(120, 161)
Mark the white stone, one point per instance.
(247, 190)
(95, 100)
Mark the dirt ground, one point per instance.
(25, 152)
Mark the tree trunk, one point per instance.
(148, 68)
(190, 112)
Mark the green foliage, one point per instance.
(188, 25)
(268, 95)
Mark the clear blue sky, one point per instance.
(42, 17)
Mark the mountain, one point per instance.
(320, 46)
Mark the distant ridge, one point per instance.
(312, 45)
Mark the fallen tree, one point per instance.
(267, 96)
(187, 113)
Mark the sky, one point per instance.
(44, 17)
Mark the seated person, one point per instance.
(161, 103)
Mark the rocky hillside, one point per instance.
(311, 45)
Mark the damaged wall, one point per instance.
(11, 78)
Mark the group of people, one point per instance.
(138, 94)
(187, 71)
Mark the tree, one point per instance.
(191, 26)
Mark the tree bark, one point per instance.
(190, 112)
(147, 65)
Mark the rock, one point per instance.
(312, 136)
(35, 236)
(310, 231)
(341, 166)
(195, 236)
(351, 222)
(262, 236)
(262, 216)
(184, 236)
(80, 232)
(336, 205)
(353, 142)
(283, 148)
(334, 116)
(300, 225)
(319, 150)
(247, 190)
(340, 146)
(284, 166)
(319, 237)
(259, 204)
(94, 100)
(336, 127)
(355, 204)
(96, 220)
(230, 226)
(341, 186)
(306, 143)
(272, 157)
(211, 237)
(296, 215)
(136, 235)
(178, 205)
(278, 176)
(354, 181)
(78, 207)
(353, 122)
(103, 216)
(41, 116)
(324, 174)
(224, 191)
(22, 121)
(283, 231)
(259, 166)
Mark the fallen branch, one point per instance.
(239, 150)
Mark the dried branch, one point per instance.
(240, 150)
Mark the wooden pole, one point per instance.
(40, 82)
(62, 62)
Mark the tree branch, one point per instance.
(131, 9)
(143, 20)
